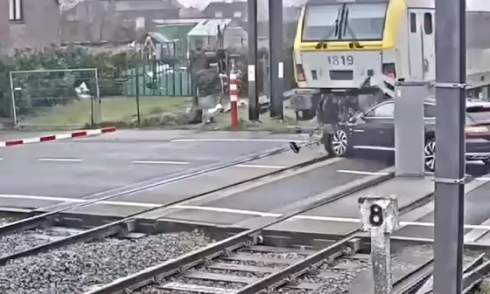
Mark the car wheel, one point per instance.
(430, 155)
(339, 144)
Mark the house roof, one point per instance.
(126, 5)
(209, 27)
(133, 5)
(68, 4)
(190, 12)
(227, 8)
(181, 21)
(159, 37)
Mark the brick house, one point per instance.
(29, 23)
(113, 20)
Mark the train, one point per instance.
(360, 48)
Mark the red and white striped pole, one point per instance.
(234, 101)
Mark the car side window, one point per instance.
(386, 110)
(429, 111)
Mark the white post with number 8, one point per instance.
(379, 216)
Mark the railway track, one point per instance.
(241, 265)
(237, 264)
(77, 261)
(236, 271)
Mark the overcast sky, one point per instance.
(203, 3)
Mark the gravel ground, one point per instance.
(80, 267)
(5, 220)
(403, 261)
(21, 241)
(341, 273)
(485, 289)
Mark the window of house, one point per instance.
(71, 17)
(428, 23)
(413, 22)
(218, 14)
(237, 14)
(15, 12)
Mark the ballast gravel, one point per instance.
(6, 220)
(84, 266)
(26, 240)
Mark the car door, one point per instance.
(375, 130)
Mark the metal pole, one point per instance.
(12, 94)
(276, 58)
(97, 93)
(450, 141)
(265, 77)
(253, 87)
(137, 81)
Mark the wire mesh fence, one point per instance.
(146, 90)
(72, 98)
(54, 97)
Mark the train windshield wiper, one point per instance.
(355, 43)
(334, 31)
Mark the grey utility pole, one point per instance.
(253, 89)
(450, 165)
(276, 64)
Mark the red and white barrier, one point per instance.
(49, 138)
(234, 101)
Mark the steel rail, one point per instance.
(293, 271)
(420, 281)
(473, 274)
(47, 217)
(427, 287)
(475, 277)
(248, 237)
(124, 225)
(415, 279)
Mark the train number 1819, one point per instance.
(341, 60)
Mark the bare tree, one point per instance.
(108, 11)
(97, 16)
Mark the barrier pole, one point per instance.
(234, 101)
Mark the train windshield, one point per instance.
(321, 22)
(364, 21)
(352, 21)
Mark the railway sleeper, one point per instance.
(230, 273)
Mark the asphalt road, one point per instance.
(80, 167)
(289, 190)
(477, 211)
(278, 194)
(73, 169)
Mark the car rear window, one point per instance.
(478, 114)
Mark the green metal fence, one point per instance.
(158, 79)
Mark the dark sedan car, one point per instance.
(375, 130)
